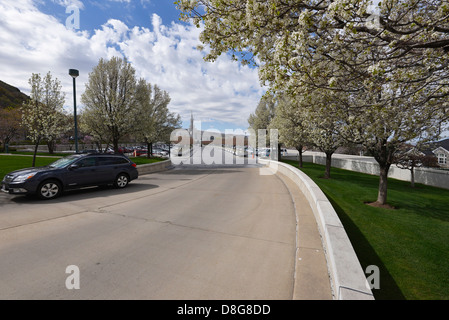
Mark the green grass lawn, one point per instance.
(409, 244)
(29, 153)
(11, 163)
(144, 160)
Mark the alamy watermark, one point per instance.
(73, 20)
(73, 280)
(373, 278)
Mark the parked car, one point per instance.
(264, 152)
(140, 152)
(71, 172)
(125, 150)
(109, 150)
(89, 151)
(241, 151)
(160, 152)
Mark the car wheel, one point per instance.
(121, 181)
(49, 189)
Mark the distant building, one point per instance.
(440, 150)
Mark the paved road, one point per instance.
(194, 232)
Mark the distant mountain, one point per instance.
(11, 96)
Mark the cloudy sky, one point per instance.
(40, 36)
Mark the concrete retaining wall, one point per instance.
(154, 167)
(347, 277)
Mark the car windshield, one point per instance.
(61, 163)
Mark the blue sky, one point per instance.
(95, 13)
(35, 38)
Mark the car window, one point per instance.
(121, 161)
(86, 162)
(61, 163)
(102, 161)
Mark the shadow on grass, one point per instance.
(422, 200)
(389, 290)
(353, 189)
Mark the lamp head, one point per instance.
(74, 73)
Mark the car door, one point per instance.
(82, 173)
(107, 168)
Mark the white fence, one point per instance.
(427, 176)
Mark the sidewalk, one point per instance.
(311, 275)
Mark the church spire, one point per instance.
(191, 123)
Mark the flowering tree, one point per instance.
(43, 115)
(324, 122)
(388, 59)
(156, 122)
(97, 130)
(110, 98)
(291, 121)
(262, 117)
(411, 158)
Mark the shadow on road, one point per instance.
(85, 193)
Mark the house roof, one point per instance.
(435, 145)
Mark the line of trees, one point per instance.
(117, 106)
(371, 73)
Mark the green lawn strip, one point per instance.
(29, 153)
(144, 160)
(11, 163)
(410, 244)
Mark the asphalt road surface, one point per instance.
(193, 232)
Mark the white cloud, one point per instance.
(67, 3)
(166, 55)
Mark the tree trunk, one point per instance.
(384, 155)
(149, 149)
(383, 183)
(412, 178)
(327, 173)
(6, 142)
(115, 144)
(51, 146)
(300, 164)
(36, 146)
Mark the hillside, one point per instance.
(11, 96)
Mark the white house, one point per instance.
(441, 151)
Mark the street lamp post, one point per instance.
(75, 73)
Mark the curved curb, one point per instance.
(347, 277)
